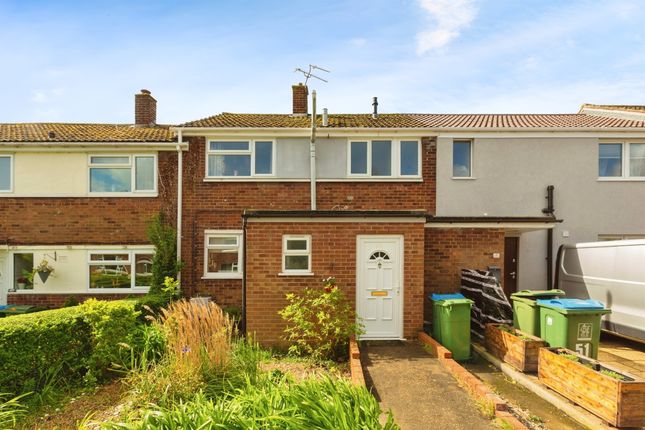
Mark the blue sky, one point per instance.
(83, 61)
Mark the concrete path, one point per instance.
(623, 354)
(419, 391)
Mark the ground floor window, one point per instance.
(296, 254)
(120, 269)
(223, 254)
(603, 237)
(23, 271)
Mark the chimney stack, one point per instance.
(145, 109)
(300, 93)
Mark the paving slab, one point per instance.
(623, 354)
(417, 388)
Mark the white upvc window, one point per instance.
(240, 158)
(384, 158)
(6, 173)
(605, 237)
(621, 160)
(223, 254)
(462, 159)
(111, 175)
(110, 270)
(296, 254)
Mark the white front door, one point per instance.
(379, 286)
(4, 277)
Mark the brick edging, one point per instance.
(355, 366)
(476, 388)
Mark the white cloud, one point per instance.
(446, 20)
(358, 42)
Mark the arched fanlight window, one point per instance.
(379, 254)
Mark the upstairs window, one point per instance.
(6, 173)
(462, 159)
(384, 158)
(243, 158)
(223, 254)
(621, 160)
(114, 174)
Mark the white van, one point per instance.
(612, 272)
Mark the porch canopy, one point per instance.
(510, 225)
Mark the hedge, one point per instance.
(72, 344)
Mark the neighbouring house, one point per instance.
(79, 196)
(392, 205)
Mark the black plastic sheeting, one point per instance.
(490, 303)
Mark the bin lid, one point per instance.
(452, 302)
(579, 304)
(439, 297)
(538, 293)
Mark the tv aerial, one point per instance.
(309, 73)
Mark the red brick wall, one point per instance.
(88, 220)
(57, 300)
(447, 251)
(300, 93)
(219, 205)
(333, 254)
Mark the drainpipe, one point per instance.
(312, 151)
(549, 210)
(244, 254)
(180, 168)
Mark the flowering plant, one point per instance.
(329, 284)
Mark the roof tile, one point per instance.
(60, 132)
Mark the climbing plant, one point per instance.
(164, 263)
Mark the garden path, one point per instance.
(417, 388)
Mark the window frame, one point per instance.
(239, 235)
(296, 252)
(472, 159)
(395, 158)
(626, 161)
(11, 173)
(14, 276)
(251, 152)
(133, 174)
(132, 261)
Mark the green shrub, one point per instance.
(10, 411)
(164, 262)
(46, 348)
(320, 322)
(112, 324)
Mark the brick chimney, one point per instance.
(145, 109)
(300, 93)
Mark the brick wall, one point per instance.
(219, 205)
(447, 251)
(57, 300)
(88, 220)
(333, 254)
(300, 93)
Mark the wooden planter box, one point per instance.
(620, 403)
(515, 347)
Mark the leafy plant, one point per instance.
(10, 411)
(164, 262)
(44, 266)
(319, 321)
(70, 301)
(272, 404)
(613, 374)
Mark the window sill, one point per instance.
(153, 194)
(372, 179)
(621, 179)
(223, 276)
(296, 274)
(463, 178)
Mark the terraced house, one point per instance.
(392, 205)
(78, 197)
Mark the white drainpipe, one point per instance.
(180, 166)
(312, 151)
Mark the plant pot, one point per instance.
(514, 347)
(21, 286)
(44, 275)
(619, 402)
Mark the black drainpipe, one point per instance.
(549, 210)
(243, 322)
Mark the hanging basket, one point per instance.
(44, 275)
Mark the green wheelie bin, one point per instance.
(453, 317)
(572, 324)
(526, 313)
(436, 312)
